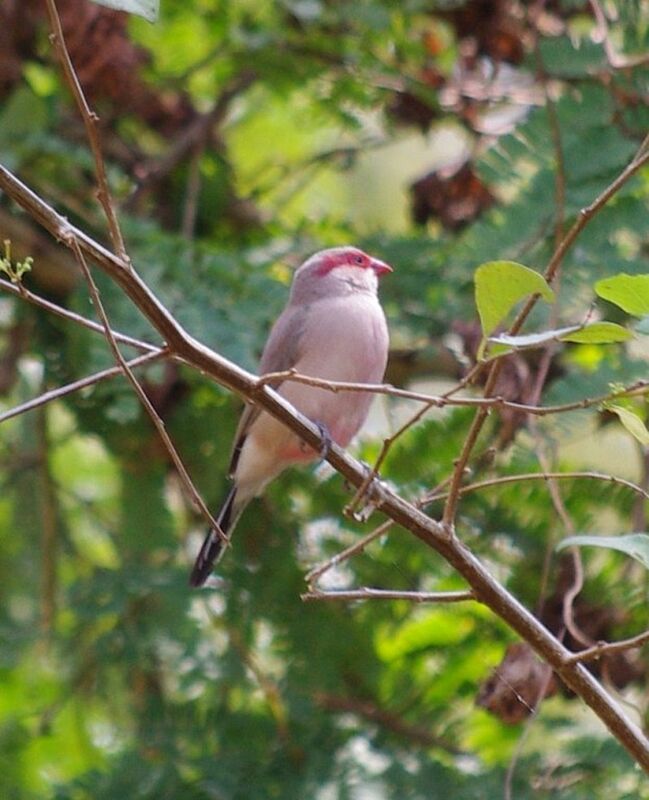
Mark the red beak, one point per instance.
(380, 267)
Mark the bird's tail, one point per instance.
(212, 547)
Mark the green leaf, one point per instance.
(635, 545)
(631, 422)
(499, 285)
(149, 9)
(629, 292)
(598, 333)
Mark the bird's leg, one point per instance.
(326, 439)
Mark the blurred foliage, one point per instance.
(239, 137)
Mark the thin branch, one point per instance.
(487, 589)
(90, 120)
(368, 593)
(447, 399)
(142, 395)
(568, 599)
(605, 648)
(572, 591)
(72, 316)
(385, 447)
(82, 383)
(542, 476)
(347, 553)
(586, 214)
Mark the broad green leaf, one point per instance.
(598, 333)
(629, 292)
(631, 422)
(149, 9)
(499, 285)
(635, 545)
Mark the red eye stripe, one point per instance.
(344, 258)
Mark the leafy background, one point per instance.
(240, 137)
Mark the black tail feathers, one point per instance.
(213, 545)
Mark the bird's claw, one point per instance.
(326, 439)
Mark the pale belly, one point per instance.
(336, 348)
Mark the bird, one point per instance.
(333, 328)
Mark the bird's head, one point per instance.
(337, 271)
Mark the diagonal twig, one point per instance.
(82, 383)
(369, 593)
(36, 300)
(90, 120)
(159, 425)
(541, 476)
(604, 648)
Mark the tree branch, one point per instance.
(369, 593)
(158, 424)
(485, 587)
(90, 120)
(36, 300)
(586, 214)
(82, 383)
(604, 648)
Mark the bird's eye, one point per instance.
(359, 259)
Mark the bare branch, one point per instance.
(640, 159)
(347, 553)
(82, 383)
(90, 122)
(604, 648)
(542, 476)
(142, 395)
(48, 305)
(486, 588)
(368, 593)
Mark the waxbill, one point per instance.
(333, 327)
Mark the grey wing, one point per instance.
(281, 352)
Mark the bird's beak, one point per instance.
(380, 267)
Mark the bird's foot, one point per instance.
(326, 439)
